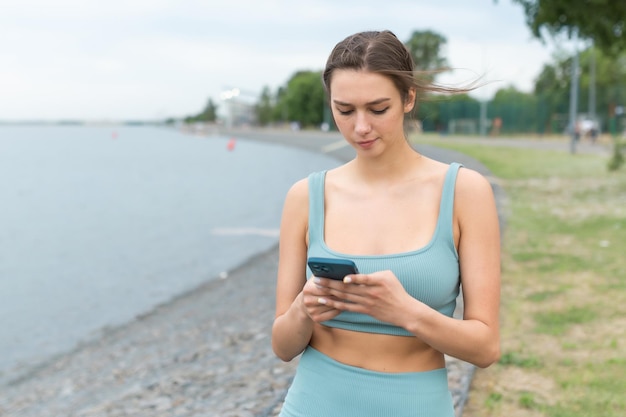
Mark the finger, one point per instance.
(347, 305)
(327, 282)
(323, 283)
(316, 290)
(347, 291)
(328, 300)
(357, 279)
(322, 313)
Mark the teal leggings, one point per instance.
(324, 387)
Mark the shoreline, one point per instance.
(206, 352)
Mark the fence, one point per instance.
(464, 117)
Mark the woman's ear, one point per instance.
(410, 100)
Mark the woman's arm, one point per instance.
(292, 327)
(476, 338)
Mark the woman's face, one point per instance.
(368, 109)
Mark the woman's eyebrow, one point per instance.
(370, 103)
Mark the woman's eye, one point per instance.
(344, 112)
(382, 111)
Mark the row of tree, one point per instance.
(543, 110)
(208, 114)
(303, 99)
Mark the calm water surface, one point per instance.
(101, 224)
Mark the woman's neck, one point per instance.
(395, 164)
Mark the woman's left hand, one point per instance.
(379, 295)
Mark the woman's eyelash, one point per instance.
(347, 112)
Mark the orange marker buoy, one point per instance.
(231, 144)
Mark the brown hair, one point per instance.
(383, 53)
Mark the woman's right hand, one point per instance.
(315, 295)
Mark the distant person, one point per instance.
(496, 126)
(593, 134)
(374, 343)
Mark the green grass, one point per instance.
(520, 360)
(563, 285)
(527, 400)
(493, 400)
(540, 296)
(557, 323)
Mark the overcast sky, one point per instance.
(152, 59)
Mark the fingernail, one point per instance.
(321, 300)
(347, 279)
(317, 280)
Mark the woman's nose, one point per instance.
(362, 123)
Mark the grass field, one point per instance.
(563, 313)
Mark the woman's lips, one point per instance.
(366, 143)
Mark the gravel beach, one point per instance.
(206, 353)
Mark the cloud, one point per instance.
(139, 58)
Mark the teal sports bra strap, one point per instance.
(316, 206)
(446, 210)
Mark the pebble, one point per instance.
(206, 353)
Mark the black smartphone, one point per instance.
(332, 268)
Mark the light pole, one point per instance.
(573, 99)
(592, 84)
(483, 118)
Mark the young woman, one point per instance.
(417, 229)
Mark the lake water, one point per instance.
(101, 224)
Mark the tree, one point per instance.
(553, 84)
(209, 114)
(426, 48)
(437, 113)
(517, 111)
(280, 112)
(603, 21)
(610, 81)
(552, 89)
(303, 99)
(264, 108)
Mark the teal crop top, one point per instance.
(429, 274)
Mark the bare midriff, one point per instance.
(376, 352)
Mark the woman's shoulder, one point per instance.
(296, 204)
(473, 190)
(471, 180)
(299, 189)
